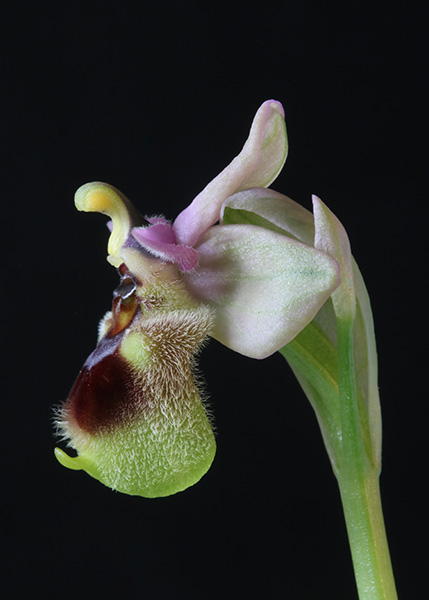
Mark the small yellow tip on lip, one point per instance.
(68, 461)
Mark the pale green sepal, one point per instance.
(313, 359)
(366, 363)
(273, 211)
(273, 149)
(331, 237)
(270, 210)
(365, 352)
(265, 287)
(258, 164)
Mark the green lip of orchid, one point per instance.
(135, 414)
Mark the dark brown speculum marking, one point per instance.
(104, 394)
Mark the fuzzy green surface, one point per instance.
(165, 452)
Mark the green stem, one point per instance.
(358, 483)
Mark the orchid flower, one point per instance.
(264, 288)
(134, 414)
(334, 359)
(259, 273)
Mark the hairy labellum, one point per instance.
(135, 414)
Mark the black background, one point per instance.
(156, 99)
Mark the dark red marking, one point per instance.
(105, 394)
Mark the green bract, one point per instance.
(312, 353)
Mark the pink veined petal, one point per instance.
(258, 164)
(186, 258)
(265, 287)
(163, 233)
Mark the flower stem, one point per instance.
(358, 482)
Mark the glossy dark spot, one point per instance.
(125, 289)
(125, 304)
(104, 394)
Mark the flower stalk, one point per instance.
(358, 480)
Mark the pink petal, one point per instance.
(162, 233)
(156, 240)
(158, 221)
